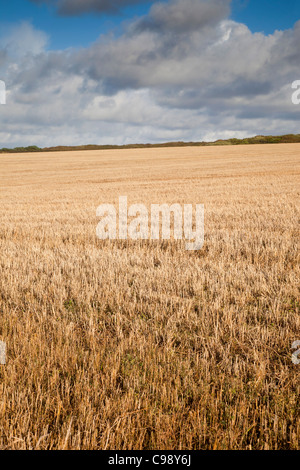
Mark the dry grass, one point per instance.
(143, 345)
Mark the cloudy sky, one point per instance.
(127, 71)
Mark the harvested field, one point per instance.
(144, 345)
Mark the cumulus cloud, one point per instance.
(21, 39)
(78, 7)
(160, 80)
(184, 16)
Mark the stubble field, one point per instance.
(144, 345)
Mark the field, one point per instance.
(144, 345)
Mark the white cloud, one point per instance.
(22, 39)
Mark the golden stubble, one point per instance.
(144, 345)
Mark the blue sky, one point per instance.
(267, 15)
(77, 72)
(63, 32)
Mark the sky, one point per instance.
(132, 71)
